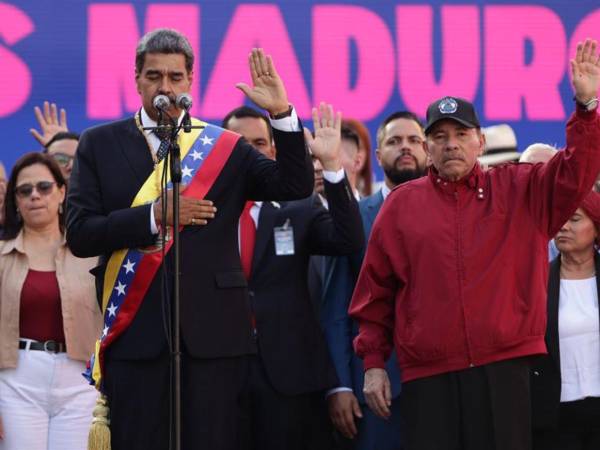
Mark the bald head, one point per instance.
(538, 153)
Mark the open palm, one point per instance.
(50, 122)
(326, 143)
(268, 91)
(585, 68)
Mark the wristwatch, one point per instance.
(282, 115)
(590, 105)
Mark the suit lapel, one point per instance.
(266, 221)
(373, 208)
(553, 296)
(135, 149)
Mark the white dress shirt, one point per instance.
(385, 190)
(579, 338)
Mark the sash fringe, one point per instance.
(99, 437)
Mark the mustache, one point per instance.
(402, 155)
(452, 156)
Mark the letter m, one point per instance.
(113, 34)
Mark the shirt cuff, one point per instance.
(153, 227)
(333, 177)
(336, 390)
(289, 123)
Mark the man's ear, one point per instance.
(378, 156)
(137, 82)
(481, 143)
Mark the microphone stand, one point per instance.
(174, 156)
(174, 159)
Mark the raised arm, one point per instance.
(338, 231)
(558, 187)
(291, 177)
(50, 122)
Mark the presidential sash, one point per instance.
(130, 272)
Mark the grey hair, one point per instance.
(163, 40)
(538, 152)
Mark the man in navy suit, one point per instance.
(401, 154)
(117, 162)
(287, 381)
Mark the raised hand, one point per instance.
(585, 68)
(50, 122)
(268, 91)
(326, 144)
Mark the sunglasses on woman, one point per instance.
(43, 188)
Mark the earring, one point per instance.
(60, 208)
(18, 215)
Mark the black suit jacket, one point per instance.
(291, 343)
(545, 373)
(112, 163)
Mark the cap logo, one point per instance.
(448, 106)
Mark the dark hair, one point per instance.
(163, 40)
(350, 135)
(61, 136)
(246, 111)
(12, 223)
(395, 116)
(364, 181)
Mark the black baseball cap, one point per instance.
(453, 108)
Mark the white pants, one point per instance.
(45, 403)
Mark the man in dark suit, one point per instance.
(114, 166)
(293, 368)
(351, 162)
(400, 153)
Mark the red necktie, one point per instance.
(247, 239)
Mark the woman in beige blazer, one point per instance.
(49, 317)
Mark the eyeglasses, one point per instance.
(43, 188)
(62, 159)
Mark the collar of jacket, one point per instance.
(474, 181)
(18, 245)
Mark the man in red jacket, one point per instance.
(455, 276)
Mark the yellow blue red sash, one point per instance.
(130, 272)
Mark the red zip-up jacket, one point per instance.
(455, 273)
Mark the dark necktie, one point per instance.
(163, 148)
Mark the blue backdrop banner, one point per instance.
(368, 58)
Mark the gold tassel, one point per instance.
(99, 437)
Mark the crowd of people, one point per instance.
(453, 306)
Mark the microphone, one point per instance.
(184, 101)
(161, 102)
